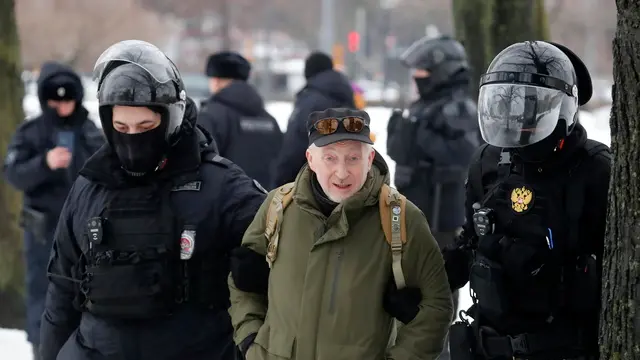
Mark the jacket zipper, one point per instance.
(334, 283)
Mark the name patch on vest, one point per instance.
(256, 125)
(190, 186)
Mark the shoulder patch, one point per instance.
(521, 199)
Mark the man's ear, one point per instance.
(372, 156)
(309, 157)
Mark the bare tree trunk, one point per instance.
(486, 27)
(11, 92)
(620, 318)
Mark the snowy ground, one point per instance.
(13, 344)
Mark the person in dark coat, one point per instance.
(139, 263)
(236, 117)
(432, 146)
(326, 88)
(43, 160)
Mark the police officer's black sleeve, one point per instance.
(458, 256)
(292, 153)
(24, 167)
(242, 197)
(60, 317)
(215, 119)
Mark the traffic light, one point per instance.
(354, 41)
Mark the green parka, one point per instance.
(327, 283)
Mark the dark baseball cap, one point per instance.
(338, 124)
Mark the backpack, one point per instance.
(575, 194)
(392, 206)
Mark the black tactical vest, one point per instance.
(143, 259)
(531, 266)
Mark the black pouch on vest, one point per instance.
(461, 341)
(133, 271)
(487, 279)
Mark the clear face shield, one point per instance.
(516, 115)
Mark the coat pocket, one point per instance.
(276, 343)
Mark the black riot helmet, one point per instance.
(136, 73)
(531, 92)
(442, 56)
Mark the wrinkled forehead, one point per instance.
(343, 147)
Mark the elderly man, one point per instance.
(324, 293)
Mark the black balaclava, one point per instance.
(144, 152)
(424, 86)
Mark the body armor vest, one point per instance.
(134, 256)
(529, 268)
(141, 262)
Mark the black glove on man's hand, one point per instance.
(249, 270)
(401, 304)
(456, 263)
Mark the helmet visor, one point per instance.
(140, 53)
(517, 115)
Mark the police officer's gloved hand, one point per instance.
(404, 175)
(492, 246)
(456, 264)
(249, 270)
(401, 304)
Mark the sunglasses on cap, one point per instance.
(352, 124)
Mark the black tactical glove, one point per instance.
(456, 263)
(401, 304)
(404, 175)
(249, 270)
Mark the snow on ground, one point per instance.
(13, 344)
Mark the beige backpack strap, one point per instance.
(275, 215)
(392, 216)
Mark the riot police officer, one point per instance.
(432, 146)
(140, 257)
(537, 198)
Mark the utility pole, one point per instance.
(327, 26)
(225, 25)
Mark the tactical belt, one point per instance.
(520, 346)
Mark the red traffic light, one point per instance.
(354, 41)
